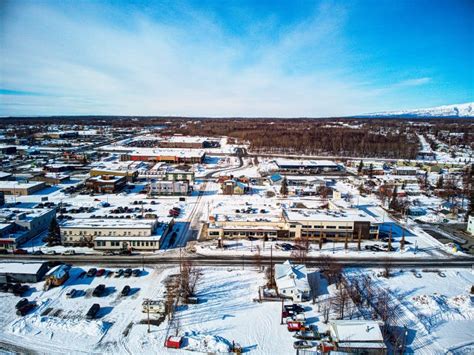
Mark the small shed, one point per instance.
(174, 342)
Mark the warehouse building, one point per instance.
(21, 188)
(23, 272)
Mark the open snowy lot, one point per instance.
(434, 305)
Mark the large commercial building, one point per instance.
(176, 156)
(18, 225)
(20, 188)
(114, 234)
(328, 224)
(129, 174)
(290, 166)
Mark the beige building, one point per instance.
(333, 224)
(20, 189)
(114, 234)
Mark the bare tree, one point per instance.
(387, 268)
(326, 309)
(190, 277)
(340, 300)
(258, 259)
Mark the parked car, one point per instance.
(296, 308)
(302, 344)
(91, 272)
(21, 303)
(118, 273)
(4, 287)
(22, 311)
(125, 291)
(37, 252)
(20, 251)
(71, 293)
(3, 251)
(92, 312)
(108, 253)
(99, 290)
(136, 272)
(19, 289)
(127, 273)
(307, 335)
(108, 273)
(51, 252)
(100, 272)
(294, 326)
(70, 252)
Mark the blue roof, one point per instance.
(275, 177)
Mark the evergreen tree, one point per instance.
(371, 170)
(440, 182)
(284, 187)
(54, 233)
(360, 167)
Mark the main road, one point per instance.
(243, 260)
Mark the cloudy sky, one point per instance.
(234, 58)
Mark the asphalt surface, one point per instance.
(237, 260)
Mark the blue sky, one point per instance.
(234, 58)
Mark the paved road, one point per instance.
(237, 260)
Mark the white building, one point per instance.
(292, 281)
(357, 336)
(470, 225)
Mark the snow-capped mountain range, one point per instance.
(461, 110)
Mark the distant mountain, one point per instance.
(461, 110)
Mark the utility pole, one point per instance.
(271, 265)
(148, 316)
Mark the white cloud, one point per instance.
(88, 65)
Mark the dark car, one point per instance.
(20, 251)
(125, 252)
(3, 251)
(118, 273)
(20, 290)
(91, 272)
(127, 273)
(4, 287)
(100, 272)
(37, 252)
(296, 308)
(99, 290)
(25, 309)
(125, 291)
(136, 272)
(21, 303)
(92, 312)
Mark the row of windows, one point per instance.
(110, 233)
(101, 243)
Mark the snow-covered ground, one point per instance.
(434, 305)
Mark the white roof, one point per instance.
(109, 223)
(288, 275)
(356, 331)
(17, 185)
(305, 163)
(324, 215)
(4, 174)
(20, 267)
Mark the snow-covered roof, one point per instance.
(109, 223)
(20, 267)
(18, 185)
(324, 215)
(288, 275)
(305, 163)
(355, 331)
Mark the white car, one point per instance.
(69, 252)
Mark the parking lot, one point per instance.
(60, 314)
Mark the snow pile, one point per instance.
(206, 343)
(49, 327)
(440, 307)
